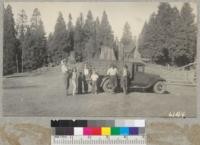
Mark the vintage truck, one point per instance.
(139, 79)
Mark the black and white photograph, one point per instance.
(100, 59)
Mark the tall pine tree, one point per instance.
(21, 27)
(38, 40)
(59, 44)
(144, 45)
(127, 40)
(34, 48)
(187, 37)
(107, 37)
(170, 36)
(164, 21)
(89, 36)
(79, 38)
(70, 36)
(97, 49)
(174, 33)
(9, 48)
(21, 24)
(148, 38)
(49, 55)
(28, 52)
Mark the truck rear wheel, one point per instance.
(107, 87)
(159, 87)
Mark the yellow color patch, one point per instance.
(105, 131)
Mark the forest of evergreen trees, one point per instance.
(168, 37)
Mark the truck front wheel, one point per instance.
(159, 87)
(107, 87)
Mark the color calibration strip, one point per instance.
(98, 127)
(98, 132)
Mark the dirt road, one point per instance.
(44, 95)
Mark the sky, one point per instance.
(135, 13)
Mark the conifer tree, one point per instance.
(58, 45)
(187, 42)
(97, 49)
(21, 28)
(28, 53)
(170, 36)
(34, 45)
(49, 55)
(127, 39)
(38, 40)
(70, 36)
(10, 41)
(174, 34)
(89, 28)
(107, 37)
(89, 36)
(163, 20)
(142, 41)
(79, 37)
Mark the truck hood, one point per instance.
(158, 77)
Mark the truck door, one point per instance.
(139, 78)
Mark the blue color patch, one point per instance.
(124, 131)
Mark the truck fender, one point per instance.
(103, 80)
(158, 80)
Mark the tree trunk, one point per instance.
(17, 63)
(22, 62)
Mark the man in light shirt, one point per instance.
(125, 79)
(66, 74)
(112, 73)
(94, 78)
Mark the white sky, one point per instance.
(135, 13)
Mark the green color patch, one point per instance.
(115, 131)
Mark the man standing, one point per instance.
(80, 82)
(86, 79)
(74, 80)
(94, 78)
(66, 73)
(125, 79)
(112, 73)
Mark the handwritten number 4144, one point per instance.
(177, 114)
